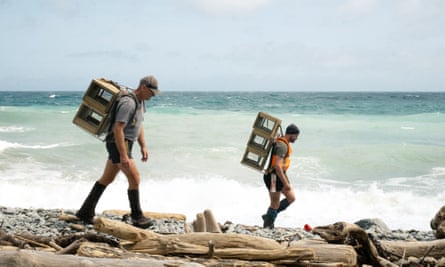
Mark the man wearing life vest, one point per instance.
(276, 180)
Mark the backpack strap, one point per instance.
(110, 135)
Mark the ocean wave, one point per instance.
(8, 145)
(14, 129)
(235, 201)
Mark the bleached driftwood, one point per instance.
(149, 214)
(228, 246)
(199, 224)
(438, 223)
(206, 222)
(377, 253)
(326, 254)
(352, 234)
(418, 249)
(45, 259)
(122, 230)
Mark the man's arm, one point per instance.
(119, 137)
(141, 141)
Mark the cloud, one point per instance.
(117, 54)
(358, 7)
(229, 7)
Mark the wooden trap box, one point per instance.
(101, 95)
(265, 129)
(98, 100)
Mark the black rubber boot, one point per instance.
(87, 211)
(283, 205)
(269, 218)
(137, 217)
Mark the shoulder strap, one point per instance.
(274, 144)
(113, 113)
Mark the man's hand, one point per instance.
(125, 161)
(144, 153)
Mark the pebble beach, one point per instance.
(45, 222)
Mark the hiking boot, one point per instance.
(87, 211)
(137, 217)
(268, 222)
(142, 222)
(85, 218)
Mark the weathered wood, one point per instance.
(367, 252)
(7, 239)
(440, 231)
(293, 253)
(434, 248)
(68, 217)
(99, 250)
(386, 263)
(72, 248)
(199, 224)
(122, 230)
(77, 227)
(438, 223)
(176, 247)
(54, 245)
(244, 247)
(66, 240)
(211, 224)
(8, 248)
(45, 259)
(438, 218)
(201, 239)
(149, 214)
(351, 234)
(162, 244)
(104, 250)
(325, 253)
(33, 243)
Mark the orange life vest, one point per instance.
(286, 162)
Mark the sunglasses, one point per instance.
(151, 87)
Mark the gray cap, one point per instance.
(152, 83)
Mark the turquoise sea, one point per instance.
(360, 155)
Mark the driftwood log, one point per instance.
(45, 259)
(149, 214)
(418, 249)
(205, 222)
(438, 223)
(345, 245)
(326, 254)
(378, 253)
(351, 234)
(224, 246)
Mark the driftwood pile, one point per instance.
(116, 243)
(438, 223)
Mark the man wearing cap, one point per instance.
(276, 180)
(126, 129)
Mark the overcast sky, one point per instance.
(275, 45)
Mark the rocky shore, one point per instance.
(45, 222)
(54, 237)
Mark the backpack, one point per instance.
(112, 115)
(96, 113)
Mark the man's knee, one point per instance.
(290, 199)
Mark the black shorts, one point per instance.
(113, 153)
(273, 182)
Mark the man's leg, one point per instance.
(271, 214)
(137, 216)
(87, 211)
(284, 203)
